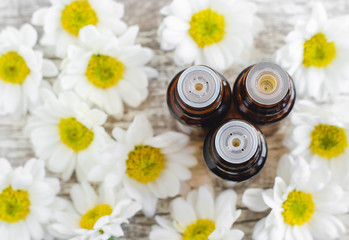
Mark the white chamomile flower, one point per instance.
(63, 20)
(321, 135)
(305, 203)
(67, 134)
(316, 55)
(200, 216)
(150, 167)
(107, 71)
(92, 216)
(21, 70)
(27, 200)
(212, 32)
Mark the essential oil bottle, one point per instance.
(198, 97)
(235, 151)
(264, 94)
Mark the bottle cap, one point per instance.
(198, 86)
(236, 141)
(267, 83)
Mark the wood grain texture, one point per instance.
(279, 17)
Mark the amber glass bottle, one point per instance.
(264, 94)
(198, 96)
(235, 151)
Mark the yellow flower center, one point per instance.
(14, 205)
(145, 163)
(298, 208)
(104, 71)
(200, 230)
(77, 15)
(207, 27)
(89, 219)
(74, 134)
(328, 141)
(318, 52)
(13, 68)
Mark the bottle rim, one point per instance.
(199, 86)
(267, 83)
(236, 141)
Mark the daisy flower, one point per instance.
(321, 134)
(304, 203)
(200, 216)
(63, 20)
(93, 216)
(67, 134)
(21, 70)
(316, 55)
(212, 32)
(27, 199)
(150, 167)
(107, 71)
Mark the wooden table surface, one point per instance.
(279, 17)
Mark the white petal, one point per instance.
(233, 234)
(334, 227)
(36, 168)
(139, 131)
(280, 188)
(137, 77)
(60, 158)
(186, 52)
(129, 37)
(160, 186)
(165, 223)
(21, 179)
(130, 94)
(5, 166)
(84, 197)
(138, 192)
(181, 9)
(89, 34)
(205, 204)
(38, 17)
(259, 231)
(330, 200)
(49, 69)
(182, 212)
(300, 233)
(34, 228)
(181, 172)
(113, 104)
(19, 231)
(167, 139)
(130, 209)
(252, 198)
(158, 233)
(96, 117)
(182, 158)
(215, 57)
(29, 35)
(285, 168)
(66, 175)
(119, 134)
(268, 197)
(225, 209)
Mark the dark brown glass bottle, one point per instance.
(235, 151)
(199, 96)
(264, 94)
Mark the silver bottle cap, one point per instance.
(198, 86)
(267, 83)
(236, 141)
